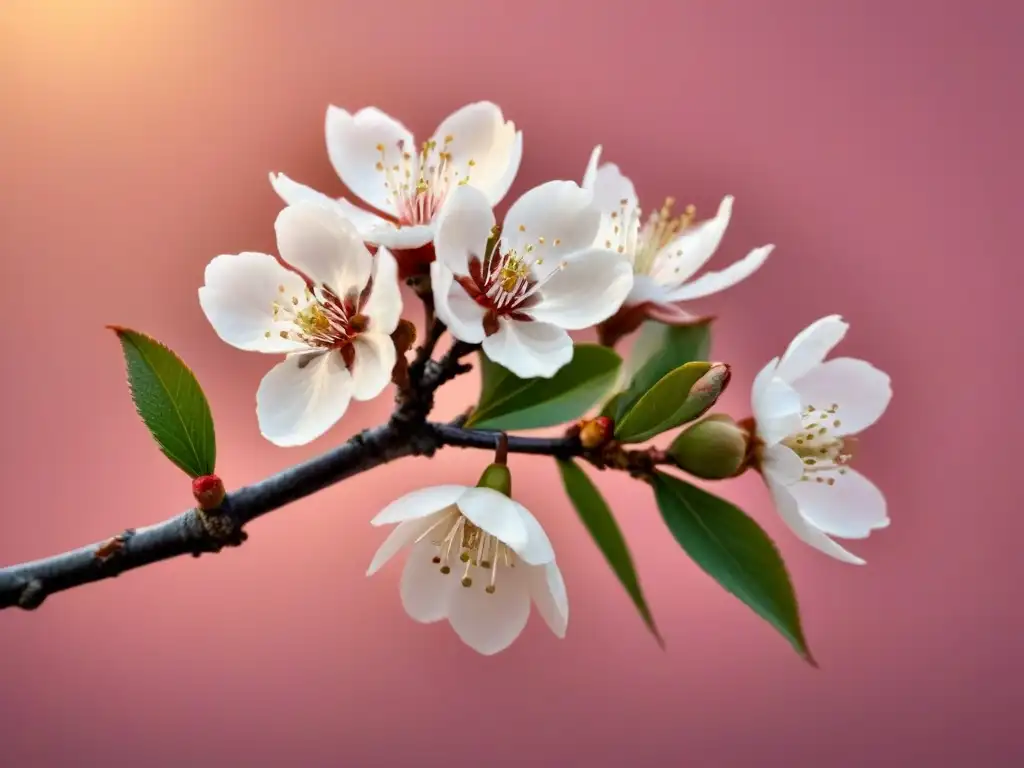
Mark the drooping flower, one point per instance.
(477, 559)
(332, 314)
(380, 162)
(518, 293)
(666, 251)
(806, 412)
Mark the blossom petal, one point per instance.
(463, 228)
(419, 503)
(681, 258)
(548, 591)
(783, 464)
(590, 174)
(529, 349)
(776, 406)
(325, 246)
(302, 397)
(426, 592)
(357, 143)
(761, 382)
(489, 623)
(500, 188)
(645, 289)
(391, 236)
(238, 299)
(789, 511)
(404, 534)
(292, 192)
(810, 347)
(372, 366)
(537, 550)
(384, 307)
(713, 282)
(555, 218)
(611, 188)
(851, 508)
(454, 307)
(480, 144)
(672, 314)
(496, 514)
(588, 289)
(861, 391)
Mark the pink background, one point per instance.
(876, 143)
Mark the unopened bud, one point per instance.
(209, 492)
(594, 433)
(713, 449)
(498, 478)
(708, 388)
(404, 336)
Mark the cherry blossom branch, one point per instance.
(407, 433)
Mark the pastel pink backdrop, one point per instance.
(875, 142)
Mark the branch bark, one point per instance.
(194, 532)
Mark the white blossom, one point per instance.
(666, 250)
(806, 412)
(379, 161)
(477, 559)
(331, 313)
(519, 296)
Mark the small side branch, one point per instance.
(459, 437)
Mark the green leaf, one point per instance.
(170, 402)
(611, 407)
(509, 403)
(735, 551)
(681, 396)
(659, 350)
(594, 512)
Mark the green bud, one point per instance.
(713, 449)
(498, 478)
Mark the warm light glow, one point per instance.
(71, 45)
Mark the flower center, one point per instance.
(824, 453)
(462, 545)
(506, 281)
(320, 319)
(419, 183)
(643, 243)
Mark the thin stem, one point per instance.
(459, 437)
(435, 330)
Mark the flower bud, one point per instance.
(713, 449)
(498, 478)
(209, 492)
(404, 336)
(709, 387)
(594, 433)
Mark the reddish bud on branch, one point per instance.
(594, 433)
(209, 492)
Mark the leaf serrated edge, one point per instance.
(123, 337)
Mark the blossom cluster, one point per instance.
(567, 256)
